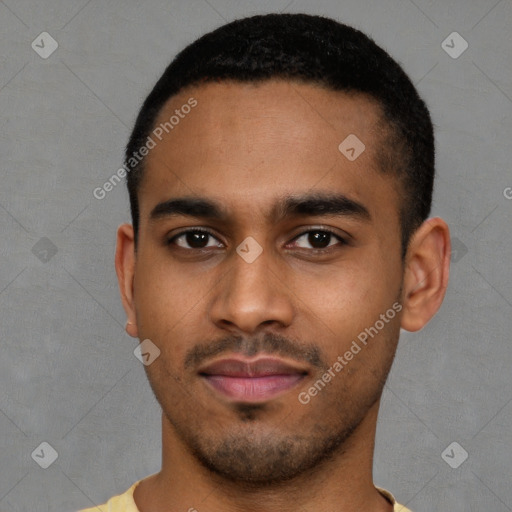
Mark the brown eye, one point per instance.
(318, 239)
(194, 239)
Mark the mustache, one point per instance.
(269, 343)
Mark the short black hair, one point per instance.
(315, 50)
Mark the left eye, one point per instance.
(317, 239)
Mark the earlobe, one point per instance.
(426, 275)
(125, 270)
(131, 329)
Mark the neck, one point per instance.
(342, 484)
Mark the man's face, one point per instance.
(327, 272)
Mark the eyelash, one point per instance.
(342, 241)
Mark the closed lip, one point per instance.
(251, 368)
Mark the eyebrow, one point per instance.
(308, 205)
(319, 204)
(190, 207)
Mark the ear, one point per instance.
(125, 269)
(426, 275)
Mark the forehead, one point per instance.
(249, 141)
(233, 114)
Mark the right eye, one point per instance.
(194, 239)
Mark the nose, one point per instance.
(250, 296)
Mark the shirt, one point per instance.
(125, 502)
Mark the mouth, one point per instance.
(255, 381)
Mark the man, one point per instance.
(280, 177)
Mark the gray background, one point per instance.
(68, 375)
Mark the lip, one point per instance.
(252, 380)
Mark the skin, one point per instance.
(247, 147)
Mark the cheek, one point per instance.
(165, 298)
(340, 291)
(347, 300)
